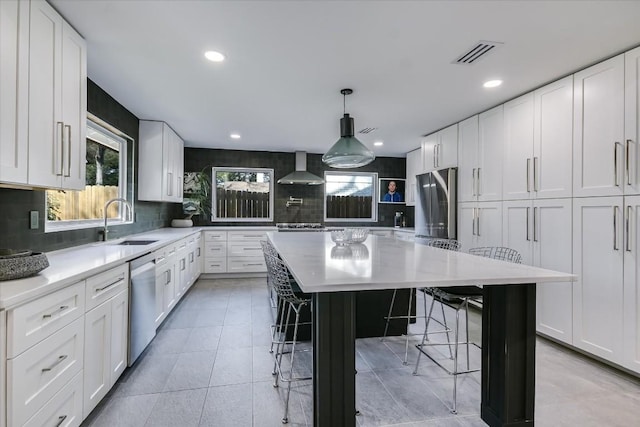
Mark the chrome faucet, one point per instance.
(105, 231)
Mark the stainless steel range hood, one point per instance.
(301, 176)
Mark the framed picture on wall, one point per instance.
(391, 190)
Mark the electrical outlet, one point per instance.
(34, 218)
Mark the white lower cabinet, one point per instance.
(541, 231)
(598, 252)
(39, 373)
(631, 309)
(479, 224)
(64, 409)
(106, 330)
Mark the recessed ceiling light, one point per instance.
(492, 83)
(235, 136)
(214, 56)
(378, 143)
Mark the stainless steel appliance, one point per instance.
(142, 305)
(436, 205)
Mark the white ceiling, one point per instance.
(287, 61)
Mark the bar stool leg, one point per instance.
(406, 341)
(285, 420)
(446, 328)
(275, 326)
(281, 347)
(455, 365)
(386, 326)
(466, 315)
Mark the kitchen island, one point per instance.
(334, 277)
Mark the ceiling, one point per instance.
(287, 61)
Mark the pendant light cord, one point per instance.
(344, 103)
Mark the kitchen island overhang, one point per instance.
(508, 319)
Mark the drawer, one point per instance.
(64, 410)
(215, 265)
(215, 249)
(246, 235)
(212, 236)
(383, 233)
(160, 256)
(246, 248)
(31, 323)
(246, 264)
(181, 245)
(35, 376)
(105, 285)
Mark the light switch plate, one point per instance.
(34, 217)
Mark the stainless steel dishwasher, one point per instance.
(142, 326)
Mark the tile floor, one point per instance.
(209, 365)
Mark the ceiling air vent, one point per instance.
(478, 51)
(367, 130)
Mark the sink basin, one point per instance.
(136, 242)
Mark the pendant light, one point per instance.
(348, 152)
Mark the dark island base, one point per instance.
(371, 309)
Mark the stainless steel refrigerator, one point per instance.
(436, 205)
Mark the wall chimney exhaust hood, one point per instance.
(301, 176)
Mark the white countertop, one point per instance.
(318, 265)
(67, 266)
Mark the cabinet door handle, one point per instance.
(434, 156)
(169, 183)
(627, 160)
(535, 229)
(615, 228)
(120, 279)
(478, 223)
(473, 182)
(478, 183)
(61, 420)
(527, 226)
(168, 279)
(528, 183)
(49, 315)
(60, 149)
(535, 174)
(473, 222)
(615, 164)
(56, 363)
(68, 127)
(628, 229)
(198, 252)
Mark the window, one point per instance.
(242, 194)
(106, 178)
(349, 196)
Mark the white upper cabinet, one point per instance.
(490, 147)
(14, 32)
(440, 149)
(552, 163)
(518, 148)
(598, 140)
(468, 159)
(57, 101)
(632, 122)
(160, 174)
(414, 167)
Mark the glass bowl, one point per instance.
(341, 237)
(359, 235)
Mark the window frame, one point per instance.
(374, 199)
(124, 191)
(214, 194)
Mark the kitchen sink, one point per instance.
(136, 242)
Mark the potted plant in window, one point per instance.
(196, 201)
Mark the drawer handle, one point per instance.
(252, 264)
(62, 308)
(110, 284)
(160, 259)
(252, 249)
(61, 420)
(56, 363)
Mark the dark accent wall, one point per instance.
(312, 210)
(16, 204)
